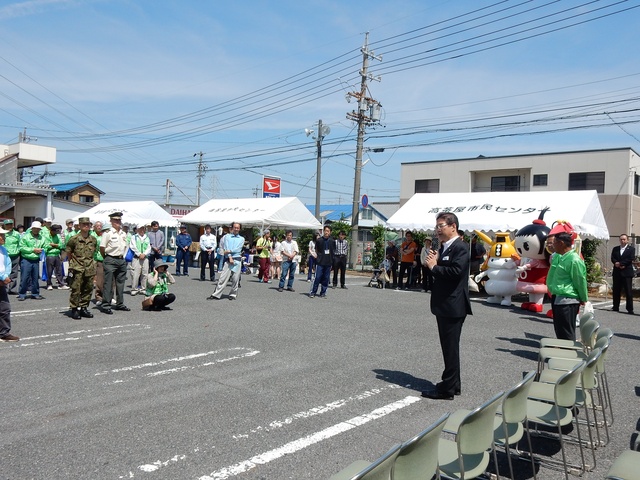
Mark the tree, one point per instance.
(378, 254)
(594, 269)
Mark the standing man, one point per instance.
(81, 250)
(340, 260)
(449, 301)
(53, 262)
(622, 258)
(566, 281)
(156, 237)
(325, 256)
(408, 256)
(141, 248)
(477, 255)
(5, 280)
(391, 254)
(12, 241)
(183, 242)
(289, 249)
(208, 244)
(113, 245)
(32, 244)
(231, 244)
(263, 247)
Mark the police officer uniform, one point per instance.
(113, 245)
(82, 268)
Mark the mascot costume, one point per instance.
(533, 262)
(500, 268)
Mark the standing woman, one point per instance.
(276, 257)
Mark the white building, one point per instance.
(613, 173)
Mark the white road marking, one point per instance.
(248, 353)
(76, 335)
(276, 424)
(29, 313)
(309, 440)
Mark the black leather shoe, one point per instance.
(75, 314)
(436, 395)
(123, 308)
(107, 311)
(458, 392)
(85, 313)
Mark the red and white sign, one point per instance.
(270, 187)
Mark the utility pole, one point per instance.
(323, 130)
(201, 173)
(368, 113)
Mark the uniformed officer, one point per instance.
(113, 245)
(81, 249)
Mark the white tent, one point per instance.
(504, 211)
(133, 213)
(254, 212)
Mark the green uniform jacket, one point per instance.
(28, 243)
(81, 253)
(98, 256)
(12, 243)
(567, 276)
(54, 251)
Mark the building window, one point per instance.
(587, 181)
(366, 214)
(636, 184)
(540, 180)
(505, 184)
(86, 198)
(427, 186)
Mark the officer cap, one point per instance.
(115, 216)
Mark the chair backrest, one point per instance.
(588, 331)
(514, 402)
(585, 317)
(475, 434)
(608, 333)
(381, 468)
(589, 372)
(418, 457)
(565, 387)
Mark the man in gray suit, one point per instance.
(622, 258)
(449, 300)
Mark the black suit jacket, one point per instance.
(450, 294)
(626, 260)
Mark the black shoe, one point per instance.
(280, 289)
(202, 279)
(333, 286)
(211, 297)
(123, 308)
(614, 310)
(436, 395)
(75, 314)
(344, 286)
(85, 313)
(107, 311)
(290, 290)
(177, 274)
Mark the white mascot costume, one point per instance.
(500, 268)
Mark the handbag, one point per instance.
(129, 256)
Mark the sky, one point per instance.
(130, 93)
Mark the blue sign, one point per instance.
(365, 201)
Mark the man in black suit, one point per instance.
(449, 300)
(622, 258)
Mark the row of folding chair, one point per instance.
(572, 384)
(569, 375)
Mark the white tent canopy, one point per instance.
(504, 211)
(133, 213)
(254, 212)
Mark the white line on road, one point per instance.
(248, 353)
(309, 440)
(77, 335)
(28, 313)
(276, 424)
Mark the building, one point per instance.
(613, 173)
(20, 199)
(78, 192)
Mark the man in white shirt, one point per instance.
(289, 249)
(208, 244)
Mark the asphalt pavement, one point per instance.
(269, 386)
